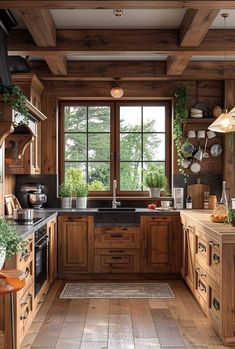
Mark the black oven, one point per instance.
(41, 257)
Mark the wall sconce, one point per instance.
(116, 91)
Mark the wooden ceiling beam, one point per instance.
(177, 64)
(123, 4)
(121, 42)
(135, 70)
(193, 29)
(195, 26)
(43, 31)
(57, 64)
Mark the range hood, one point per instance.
(10, 64)
(7, 21)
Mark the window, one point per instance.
(115, 141)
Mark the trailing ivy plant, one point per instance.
(178, 131)
(14, 95)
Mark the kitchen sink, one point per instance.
(118, 209)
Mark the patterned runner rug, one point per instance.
(116, 290)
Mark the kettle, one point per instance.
(37, 199)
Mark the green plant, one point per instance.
(14, 95)
(96, 186)
(231, 215)
(74, 175)
(155, 177)
(10, 239)
(65, 190)
(180, 115)
(80, 190)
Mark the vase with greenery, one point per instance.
(80, 191)
(65, 193)
(155, 180)
(180, 115)
(231, 216)
(10, 241)
(14, 95)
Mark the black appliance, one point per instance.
(41, 257)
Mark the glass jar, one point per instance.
(220, 213)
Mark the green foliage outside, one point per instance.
(10, 239)
(90, 152)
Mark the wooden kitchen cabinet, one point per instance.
(162, 244)
(189, 256)
(76, 235)
(52, 232)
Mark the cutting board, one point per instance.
(196, 191)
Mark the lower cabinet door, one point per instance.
(159, 246)
(116, 261)
(75, 245)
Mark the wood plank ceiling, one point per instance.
(193, 38)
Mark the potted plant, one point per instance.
(231, 216)
(155, 179)
(65, 192)
(80, 191)
(15, 96)
(10, 241)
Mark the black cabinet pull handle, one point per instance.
(212, 243)
(201, 247)
(116, 251)
(216, 304)
(116, 257)
(201, 286)
(116, 235)
(216, 258)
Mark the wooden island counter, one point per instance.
(208, 268)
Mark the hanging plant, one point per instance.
(178, 130)
(14, 95)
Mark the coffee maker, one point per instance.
(33, 195)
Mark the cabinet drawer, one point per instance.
(215, 263)
(29, 278)
(202, 249)
(119, 237)
(117, 262)
(24, 314)
(27, 255)
(201, 284)
(215, 304)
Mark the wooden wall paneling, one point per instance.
(101, 89)
(48, 135)
(104, 4)
(229, 141)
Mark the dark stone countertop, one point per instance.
(101, 218)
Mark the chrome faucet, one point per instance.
(115, 203)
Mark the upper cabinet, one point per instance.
(23, 142)
(31, 86)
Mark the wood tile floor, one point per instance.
(122, 323)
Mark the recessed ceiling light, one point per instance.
(118, 12)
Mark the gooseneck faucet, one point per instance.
(115, 203)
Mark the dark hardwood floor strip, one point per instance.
(167, 330)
